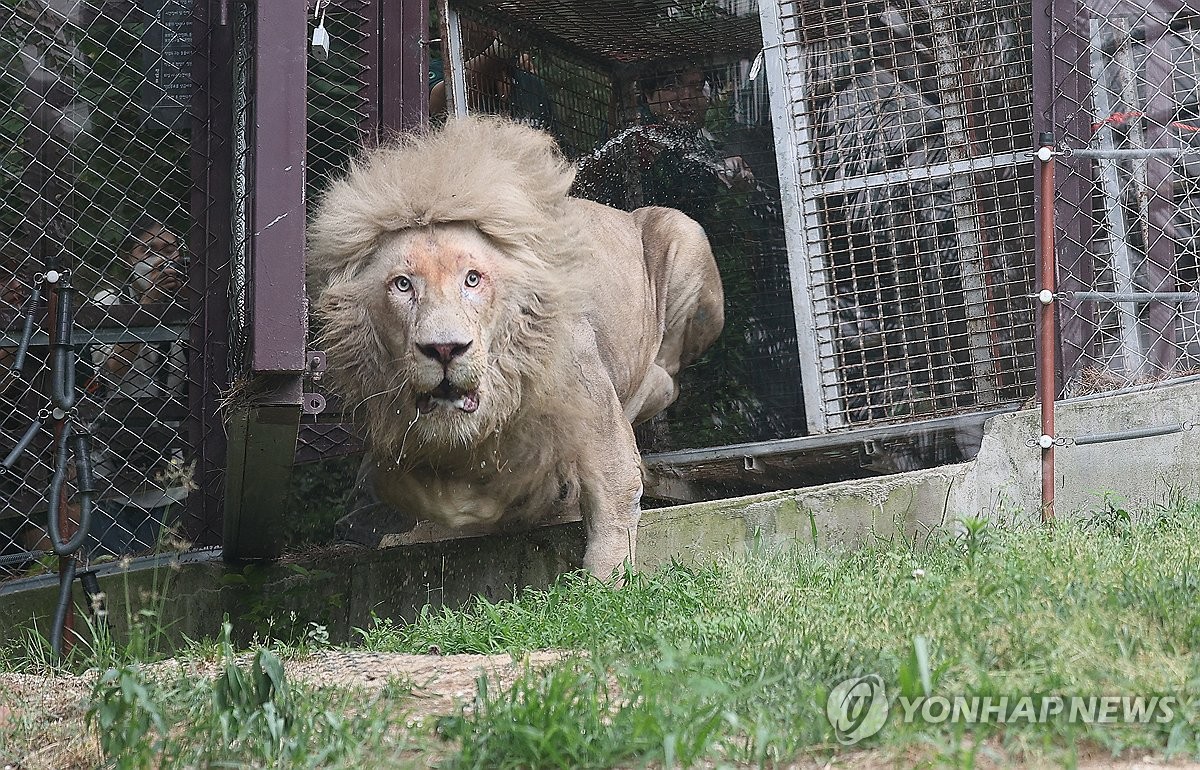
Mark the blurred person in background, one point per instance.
(139, 387)
(500, 80)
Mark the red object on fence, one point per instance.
(1117, 118)
(1046, 336)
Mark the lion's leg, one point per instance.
(658, 391)
(680, 262)
(610, 497)
(611, 525)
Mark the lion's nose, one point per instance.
(444, 352)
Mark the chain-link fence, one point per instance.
(114, 233)
(345, 112)
(1125, 106)
(862, 170)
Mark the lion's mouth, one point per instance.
(447, 395)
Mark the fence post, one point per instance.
(211, 238)
(1047, 338)
(265, 418)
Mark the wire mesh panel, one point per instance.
(1126, 101)
(905, 132)
(111, 239)
(338, 106)
(344, 112)
(656, 103)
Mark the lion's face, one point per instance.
(439, 304)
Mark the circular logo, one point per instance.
(857, 708)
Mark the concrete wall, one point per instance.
(342, 588)
(1005, 479)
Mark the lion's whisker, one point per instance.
(393, 390)
(404, 439)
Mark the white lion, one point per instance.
(497, 338)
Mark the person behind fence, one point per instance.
(676, 155)
(500, 81)
(139, 387)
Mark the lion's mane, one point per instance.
(508, 181)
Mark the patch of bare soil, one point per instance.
(990, 757)
(41, 723)
(439, 682)
(42, 717)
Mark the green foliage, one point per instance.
(583, 715)
(731, 661)
(1113, 517)
(269, 599)
(245, 717)
(975, 537)
(124, 636)
(317, 499)
(128, 714)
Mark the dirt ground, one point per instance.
(43, 716)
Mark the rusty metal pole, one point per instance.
(1046, 319)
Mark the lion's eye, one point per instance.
(472, 278)
(402, 283)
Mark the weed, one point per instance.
(128, 715)
(749, 647)
(1113, 517)
(732, 661)
(975, 537)
(270, 596)
(246, 716)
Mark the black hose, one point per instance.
(62, 367)
(57, 483)
(29, 312)
(83, 463)
(22, 445)
(91, 587)
(65, 578)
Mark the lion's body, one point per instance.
(499, 338)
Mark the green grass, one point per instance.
(733, 660)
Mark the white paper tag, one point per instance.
(320, 42)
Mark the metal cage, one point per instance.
(116, 150)
(906, 133)
(862, 168)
